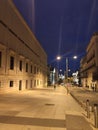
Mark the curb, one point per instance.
(82, 104)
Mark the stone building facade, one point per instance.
(89, 64)
(23, 62)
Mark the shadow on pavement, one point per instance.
(33, 121)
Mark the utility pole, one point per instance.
(66, 68)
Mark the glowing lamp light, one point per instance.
(75, 57)
(58, 57)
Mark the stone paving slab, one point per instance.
(74, 122)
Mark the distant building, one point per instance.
(75, 78)
(52, 75)
(23, 62)
(89, 64)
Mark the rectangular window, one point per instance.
(31, 83)
(26, 84)
(20, 65)
(26, 67)
(0, 58)
(0, 84)
(34, 69)
(11, 62)
(37, 70)
(11, 83)
(34, 83)
(37, 82)
(31, 68)
(20, 85)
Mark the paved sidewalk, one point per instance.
(42, 109)
(81, 95)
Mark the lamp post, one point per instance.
(67, 69)
(58, 58)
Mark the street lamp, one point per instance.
(75, 57)
(58, 57)
(67, 69)
(67, 64)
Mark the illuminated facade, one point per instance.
(23, 62)
(89, 64)
(52, 75)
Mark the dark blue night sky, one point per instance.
(63, 27)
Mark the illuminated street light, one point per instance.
(74, 57)
(67, 69)
(58, 57)
(60, 70)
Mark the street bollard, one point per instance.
(88, 108)
(96, 115)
